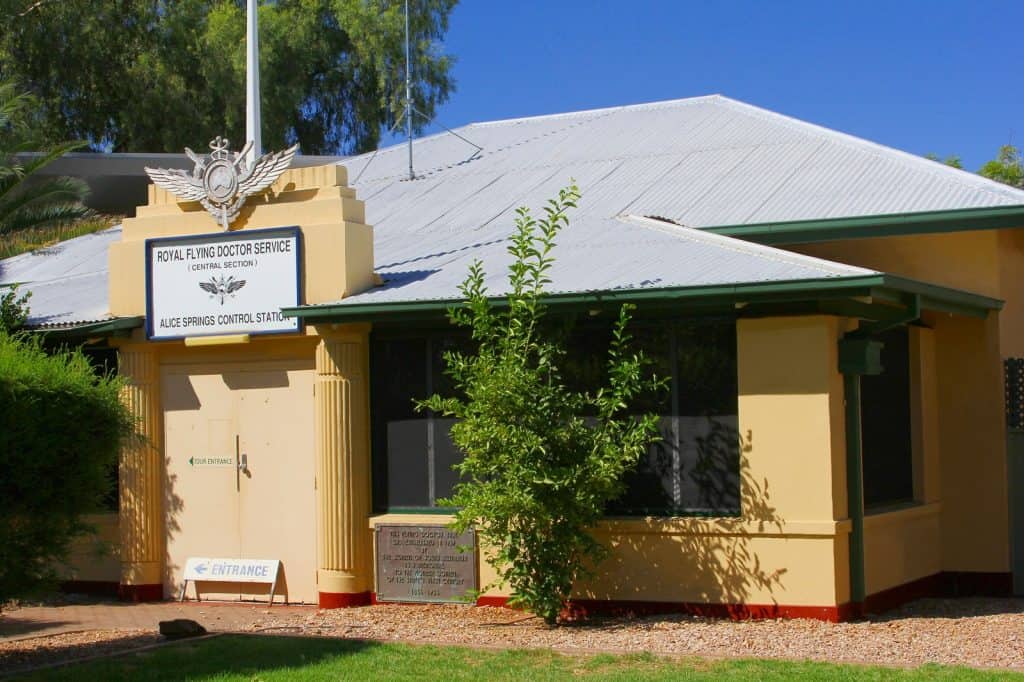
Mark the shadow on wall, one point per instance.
(173, 506)
(658, 563)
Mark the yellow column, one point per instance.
(344, 576)
(141, 478)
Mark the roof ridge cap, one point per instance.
(773, 253)
(697, 99)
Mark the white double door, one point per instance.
(240, 474)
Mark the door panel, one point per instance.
(277, 512)
(265, 411)
(200, 497)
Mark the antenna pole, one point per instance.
(408, 92)
(252, 83)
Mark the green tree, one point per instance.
(1006, 167)
(26, 200)
(60, 430)
(157, 76)
(538, 474)
(951, 160)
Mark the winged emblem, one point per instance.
(222, 181)
(222, 287)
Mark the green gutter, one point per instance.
(885, 287)
(105, 328)
(884, 225)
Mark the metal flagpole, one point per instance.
(408, 91)
(252, 83)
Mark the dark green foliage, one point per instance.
(153, 76)
(13, 308)
(542, 461)
(61, 428)
(26, 200)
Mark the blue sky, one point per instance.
(920, 76)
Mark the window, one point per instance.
(694, 469)
(412, 452)
(885, 425)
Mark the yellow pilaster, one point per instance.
(141, 474)
(344, 573)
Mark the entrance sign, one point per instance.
(202, 569)
(424, 564)
(211, 461)
(233, 283)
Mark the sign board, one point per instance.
(207, 462)
(203, 569)
(230, 283)
(425, 564)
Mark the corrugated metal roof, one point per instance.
(68, 281)
(700, 162)
(612, 254)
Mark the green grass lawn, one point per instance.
(253, 657)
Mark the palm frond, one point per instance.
(43, 202)
(26, 199)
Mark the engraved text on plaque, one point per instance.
(423, 563)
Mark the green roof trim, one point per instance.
(887, 288)
(112, 327)
(884, 225)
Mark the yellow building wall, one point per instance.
(959, 428)
(901, 546)
(95, 557)
(972, 437)
(961, 260)
(1011, 279)
(337, 261)
(789, 547)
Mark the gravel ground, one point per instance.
(23, 654)
(971, 632)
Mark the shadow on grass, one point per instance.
(267, 657)
(17, 657)
(224, 657)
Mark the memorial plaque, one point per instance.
(424, 564)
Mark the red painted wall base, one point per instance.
(947, 584)
(101, 588)
(338, 600)
(140, 593)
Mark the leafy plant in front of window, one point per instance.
(538, 474)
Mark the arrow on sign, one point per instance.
(201, 569)
(191, 463)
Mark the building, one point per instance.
(768, 258)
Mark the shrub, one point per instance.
(537, 473)
(61, 428)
